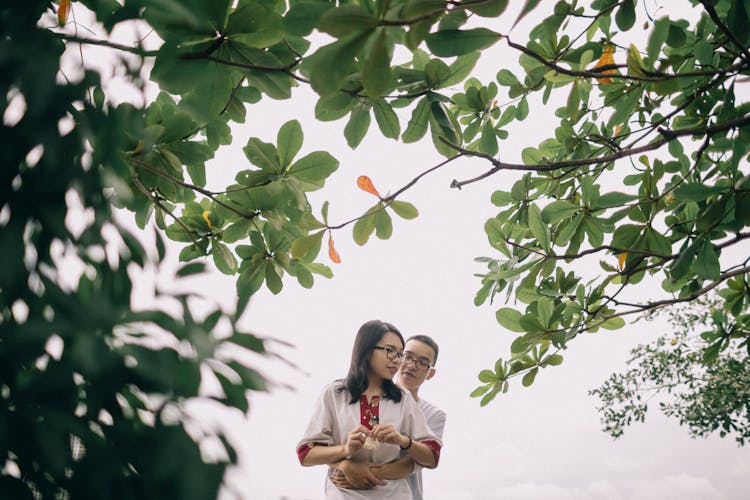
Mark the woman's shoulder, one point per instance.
(335, 387)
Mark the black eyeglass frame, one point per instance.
(420, 363)
(391, 353)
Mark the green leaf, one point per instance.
(491, 8)
(263, 155)
(417, 126)
(460, 69)
(479, 391)
(695, 192)
(364, 226)
(613, 199)
(449, 43)
(333, 106)
(488, 140)
(656, 242)
(614, 323)
(554, 360)
(529, 377)
(487, 376)
(625, 15)
(301, 246)
(404, 209)
(332, 63)
(522, 111)
(223, 258)
(273, 280)
(346, 20)
(248, 282)
(289, 140)
(528, 6)
(313, 169)
(510, 319)
(376, 73)
(558, 210)
(626, 235)
(711, 353)
(302, 17)
(383, 225)
(191, 269)
(706, 264)
(386, 119)
(538, 228)
(356, 128)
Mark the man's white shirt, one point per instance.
(435, 418)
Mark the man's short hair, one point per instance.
(425, 339)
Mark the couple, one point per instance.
(373, 434)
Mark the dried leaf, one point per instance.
(621, 260)
(205, 215)
(606, 59)
(332, 253)
(62, 12)
(365, 184)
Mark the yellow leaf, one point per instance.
(62, 12)
(205, 215)
(365, 184)
(332, 253)
(607, 59)
(621, 260)
(618, 129)
(635, 63)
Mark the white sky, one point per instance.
(539, 443)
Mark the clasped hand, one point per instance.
(380, 433)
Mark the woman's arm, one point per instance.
(323, 455)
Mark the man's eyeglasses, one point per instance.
(391, 353)
(420, 363)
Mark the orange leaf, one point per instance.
(621, 260)
(606, 59)
(618, 129)
(62, 12)
(365, 184)
(332, 253)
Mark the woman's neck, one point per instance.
(374, 386)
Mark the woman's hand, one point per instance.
(356, 440)
(389, 434)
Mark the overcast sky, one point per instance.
(536, 443)
(543, 442)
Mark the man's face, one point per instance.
(410, 374)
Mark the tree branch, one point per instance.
(499, 165)
(724, 28)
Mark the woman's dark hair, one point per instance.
(367, 338)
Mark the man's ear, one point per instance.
(430, 374)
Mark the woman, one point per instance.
(368, 419)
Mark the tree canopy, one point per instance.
(645, 182)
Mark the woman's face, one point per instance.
(380, 365)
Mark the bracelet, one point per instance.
(408, 445)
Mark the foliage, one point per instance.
(93, 394)
(689, 380)
(632, 112)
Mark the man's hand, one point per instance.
(354, 476)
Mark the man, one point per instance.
(420, 356)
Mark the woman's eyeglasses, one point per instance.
(391, 353)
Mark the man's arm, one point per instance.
(365, 475)
(395, 469)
